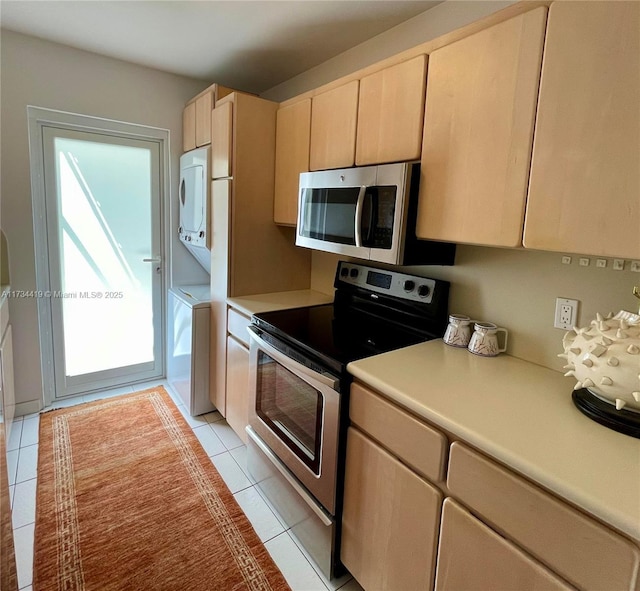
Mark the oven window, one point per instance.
(291, 408)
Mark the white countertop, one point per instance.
(281, 300)
(521, 414)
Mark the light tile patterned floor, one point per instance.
(227, 453)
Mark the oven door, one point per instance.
(295, 411)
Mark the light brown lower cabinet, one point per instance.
(494, 530)
(390, 520)
(582, 551)
(237, 386)
(472, 556)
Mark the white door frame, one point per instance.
(37, 119)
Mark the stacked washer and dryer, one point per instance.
(189, 305)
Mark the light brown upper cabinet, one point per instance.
(478, 129)
(391, 112)
(584, 193)
(189, 127)
(196, 117)
(204, 105)
(293, 128)
(222, 140)
(334, 115)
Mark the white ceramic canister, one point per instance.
(458, 332)
(484, 341)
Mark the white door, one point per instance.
(103, 224)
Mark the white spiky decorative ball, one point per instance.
(605, 358)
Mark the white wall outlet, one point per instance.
(566, 313)
(584, 262)
(635, 266)
(566, 260)
(601, 263)
(618, 264)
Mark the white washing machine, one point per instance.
(188, 346)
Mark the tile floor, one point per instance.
(227, 453)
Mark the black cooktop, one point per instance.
(365, 318)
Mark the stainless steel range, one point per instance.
(299, 388)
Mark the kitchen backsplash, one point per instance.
(517, 289)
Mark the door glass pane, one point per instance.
(291, 407)
(104, 218)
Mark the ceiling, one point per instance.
(250, 45)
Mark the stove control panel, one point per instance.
(399, 285)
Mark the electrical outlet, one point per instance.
(566, 313)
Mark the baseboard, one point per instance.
(27, 408)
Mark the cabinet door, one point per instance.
(204, 104)
(390, 520)
(472, 556)
(478, 129)
(584, 194)
(333, 127)
(237, 387)
(189, 127)
(222, 140)
(293, 130)
(220, 272)
(585, 553)
(391, 112)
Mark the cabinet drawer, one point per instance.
(578, 548)
(237, 326)
(472, 556)
(414, 442)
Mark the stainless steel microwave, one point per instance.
(366, 212)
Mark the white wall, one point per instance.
(44, 74)
(433, 23)
(517, 289)
(514, 288)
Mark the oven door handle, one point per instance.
(289, 363)
(358, 221)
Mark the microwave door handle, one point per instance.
(358, 221)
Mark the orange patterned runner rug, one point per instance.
(127, 499)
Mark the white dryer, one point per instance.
(195, 217)
(188, 346)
